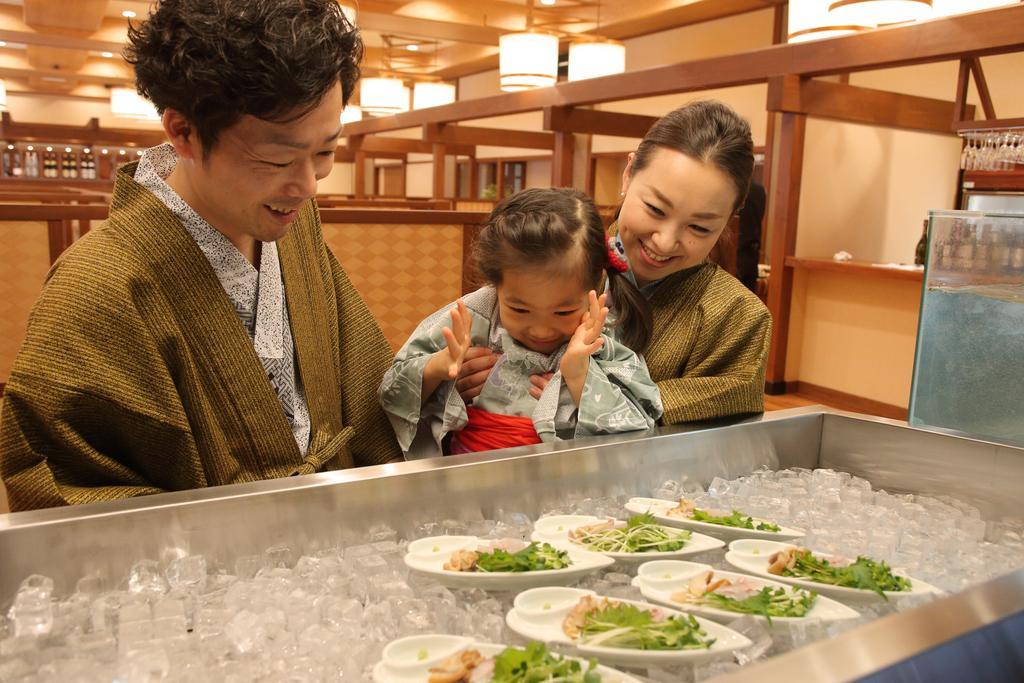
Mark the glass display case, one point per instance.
(968, 371)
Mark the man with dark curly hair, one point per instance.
(205, 334)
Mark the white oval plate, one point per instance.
(428, 555)
(658, 580)
(751, 556)
(658, 507)
(555, 530)
(408, 660)
(538, 613)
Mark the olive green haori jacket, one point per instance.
(709, 347)
(137, 375)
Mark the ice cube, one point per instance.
(145, 577)
(670, 489)
(247, 566)
(31, 614)
(381, 532)
(278, 556)
(187, 572)
(246, 632)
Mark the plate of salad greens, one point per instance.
(436, 658)
(617, 631)
(851, 580)
(503, 565)
(723, 596)
(636, 539)
(724, 524)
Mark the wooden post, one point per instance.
(962, 82)
(783, 207)
(474, 179)
(439, 155)
(561, 162)
(982, 85)
(359, 188)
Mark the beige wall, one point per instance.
(340, 181)
(866, 189)
(854, 334)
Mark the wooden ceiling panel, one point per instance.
(55, 58)
(52, 83)
(79, 16)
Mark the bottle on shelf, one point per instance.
(7, 165)
(922, 246)
(16, 169)
(31, 162)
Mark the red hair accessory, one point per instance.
(615, 261)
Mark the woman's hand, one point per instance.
(585, 342)
(476, 368)
(445, 364)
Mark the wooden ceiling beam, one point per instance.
(90, 134)
(372, 144)
(666, 14)
(495, 137)
(594, 122)
(429, 29)
(78, 77)
(824, 99)
(994, 31)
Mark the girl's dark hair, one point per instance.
(708, 131)
(560, 229)
(217, 60)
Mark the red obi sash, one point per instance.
(486, 431)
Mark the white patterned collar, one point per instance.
(258, 296)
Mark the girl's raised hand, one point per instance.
(586, 340)
(457, 338)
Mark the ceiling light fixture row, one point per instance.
(817, 19)
(529, 59)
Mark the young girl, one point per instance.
(543, 253)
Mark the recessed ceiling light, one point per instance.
(30, 148)
(122, 152)
(104, 151)
(67, 149)
(3, 43)
(547, 2)
(108, 55)
(413, 47)
(49, 149)
(128, 14)
(10, 146)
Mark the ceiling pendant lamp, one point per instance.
(593, 59)
(528, 60)
(944, 8)
(431, 94)
(128, 104)
(879, 12)
(810, 20)
(383, 96)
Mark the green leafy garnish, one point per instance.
(625, 626)
(531, 558)
(767, 603)
(736, 519)
(535, 664)
(641, 535)
(865, 574)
